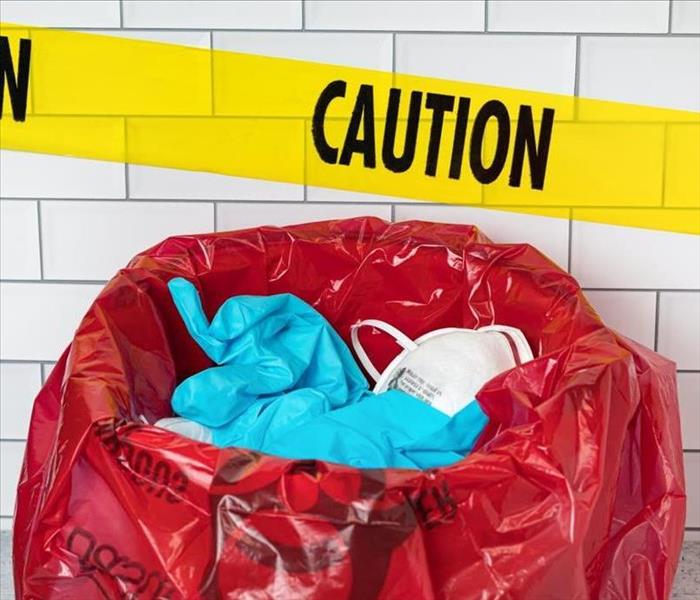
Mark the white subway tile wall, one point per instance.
(363, 50)
(156, 183)
(19, 240)
(581, 16)
(679, 328)
(630, 313)
(686, 16)
(692, 489)
(239, 215)
(540, 62)
(68, 224)
(213, 14)
(689, 397)
(37, 320)
(195, 39)
(396, 15)
(642, 258)
(621, 68)
(62, 13)
(114, 232)
(29, 175)
(19, 384)
(11, 454)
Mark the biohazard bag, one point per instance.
(575, 489)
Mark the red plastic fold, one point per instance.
(576, 489)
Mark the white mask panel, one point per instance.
(446, 367)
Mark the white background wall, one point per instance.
(68, 224)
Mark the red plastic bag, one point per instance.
(575, 489)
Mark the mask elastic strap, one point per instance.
(401, 339)
(516, 340)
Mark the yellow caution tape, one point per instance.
(119, 99)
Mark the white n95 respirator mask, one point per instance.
(446, 367)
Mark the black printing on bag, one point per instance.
(157, 476)
(106, 559)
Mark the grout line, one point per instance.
(570, 241)
(577, 76)
(486, 15)
(127, 187)
(57, 281)
(41, 243)
(397, 200)
(30, 93)
(393, 59)
(299, 117)
(393, 213)
(664, 163)
(211, 72)
(121, 14)
(656, 321)
(23, 361)
(365, 204)
(621, 34)
(608, 289)
(305, 163)
(216, 216)
(670, 15)
(303, 15)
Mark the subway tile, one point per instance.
(580, 144)
(549, 235)
(271, 97)
(238, 215)
(171, 79)
(19, 385)
(657, 71)
(213, 14)
(46, 369)
(62, 13)
(38, 320)
(19, 240)
(689, 399)
(30, 175)
(416, 15)
(579, 16)
(92, 240)
(321, 194)
(692, 488)
(685, 16)
(541, 63)
(194, 39)
(631, 313)
(679, 328)
(682, 176)
(159, 183)
(363, 50)
(611, 256)
(11, 457)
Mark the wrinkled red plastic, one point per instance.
(576, 489)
